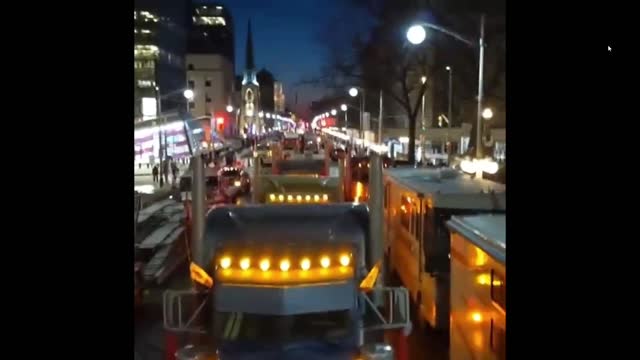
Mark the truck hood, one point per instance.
(308, 350)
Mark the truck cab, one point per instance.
(289, 282)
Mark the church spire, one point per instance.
(250, 65)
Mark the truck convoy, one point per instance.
(290, 282)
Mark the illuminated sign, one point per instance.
(149, 107)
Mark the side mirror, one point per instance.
(376, 351)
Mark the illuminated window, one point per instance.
(498, 341)
(143, 64)
(498, 290)
(405, 212)
(145, 50)
(145, 83)
(210, 20)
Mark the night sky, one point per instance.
(286, 40)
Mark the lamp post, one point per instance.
(380, 120)
(188, 94)
(344, 108)
(423, 125)
(449, 113)
(353, 92)
(416, 34)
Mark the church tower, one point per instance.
(250, 122)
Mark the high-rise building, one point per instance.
(210, 68)
(159, 50)
(211, 30)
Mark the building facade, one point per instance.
(210, 60)
(159, 51)
(210, 76)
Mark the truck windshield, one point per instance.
(332, 327)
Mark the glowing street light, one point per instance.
(334, 112)
(416, 34)
(261, 114)
(423, 79)
(343, 107)
(229, 108)
(353, 92)
(487, 113)
(188, 94)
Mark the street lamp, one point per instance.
(344, 108)
(353, 92)
(417, 34)
(450, 112)
(188, 94)
(229, 108)
(334, 112)
(487, 113)
(261, 114)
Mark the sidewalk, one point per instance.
(144, 171)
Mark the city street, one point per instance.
(410, 94)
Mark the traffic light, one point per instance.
(220, 124)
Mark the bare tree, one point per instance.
(387, 62)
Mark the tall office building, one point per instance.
(211, 30)
(210, 68)
(159, 50)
